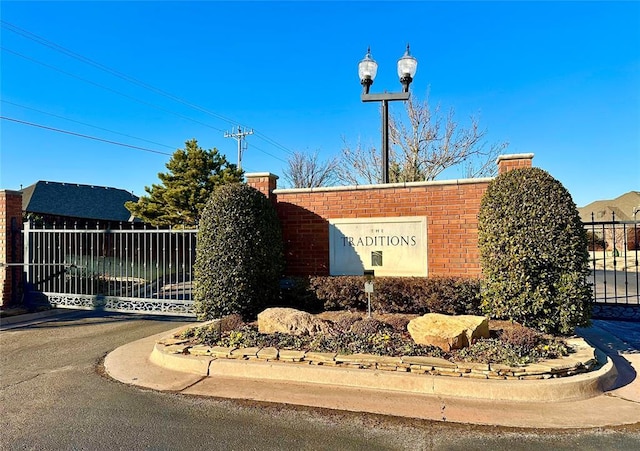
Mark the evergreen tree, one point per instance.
(193, 173)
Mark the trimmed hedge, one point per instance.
(448, 295)
(533, 250)
(239, 255)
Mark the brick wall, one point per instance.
(10, 246)
(451, 208)
(264, 182)
(516, 161)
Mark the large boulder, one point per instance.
(448, 332)
(289, 321)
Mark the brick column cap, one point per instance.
(11, 192)
(515, 156)
(254, 175)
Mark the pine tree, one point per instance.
(193, 173)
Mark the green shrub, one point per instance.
(398, 323)
(344, 322)
(533, 251)
(231, 322)
(295, 292)
(369, 326)
(340, 293)
(377, 343)
(494, 350)
(454, 296)
(414, 295)
(521, 337)
(239, 256)
(513, 345)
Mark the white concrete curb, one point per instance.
(570, 388)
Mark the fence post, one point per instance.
(10, 217)
(26, 256)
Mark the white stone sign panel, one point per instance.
(388, 246)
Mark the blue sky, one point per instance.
(560, 80)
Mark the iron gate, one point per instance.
(149, 270)
(129, 269)
(613, 251)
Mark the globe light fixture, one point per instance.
(407, 66)
(367, 71)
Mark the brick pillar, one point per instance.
(264, 182)
(507, 163)
(10, 247)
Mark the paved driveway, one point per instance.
(616, 286)
(52, 396)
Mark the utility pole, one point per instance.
(239, 136)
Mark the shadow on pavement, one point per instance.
(71, 318)
(611, 338)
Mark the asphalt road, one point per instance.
(53, 395)
(616, 286)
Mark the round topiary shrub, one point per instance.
(239, 254)
(533, 251)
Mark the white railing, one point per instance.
(132, 268)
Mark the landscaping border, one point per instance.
(584, 374)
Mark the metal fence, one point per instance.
(613, 248)
(129, 269)
(138, 269)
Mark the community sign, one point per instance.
(388, 246)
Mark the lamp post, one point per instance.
(367, 70)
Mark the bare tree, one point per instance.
(422, 147)
(360, 165)
(304, 170)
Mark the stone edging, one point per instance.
(547, 379)
(621, 312)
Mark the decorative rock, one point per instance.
(431, 362)
(245, 353)
(391, 361)
(173, 341)
(473, 367)
(221, 351)
(176, 349)
(289, 321)
(269, 353)
(503, 369)
(448, 332)
(289, 355)
(200, 350)
(361, 359)
(320, 357)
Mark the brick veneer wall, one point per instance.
(515, 161)
(10, 246)
(264, 182)
(451, 208)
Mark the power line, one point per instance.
(239, 136)
(84, 123)
(52, 45)
(105, 129)
(138, 100)
(267, 153)
(274, 143)
(109, 89)
(83, 136)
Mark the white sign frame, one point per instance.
(391, 246)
